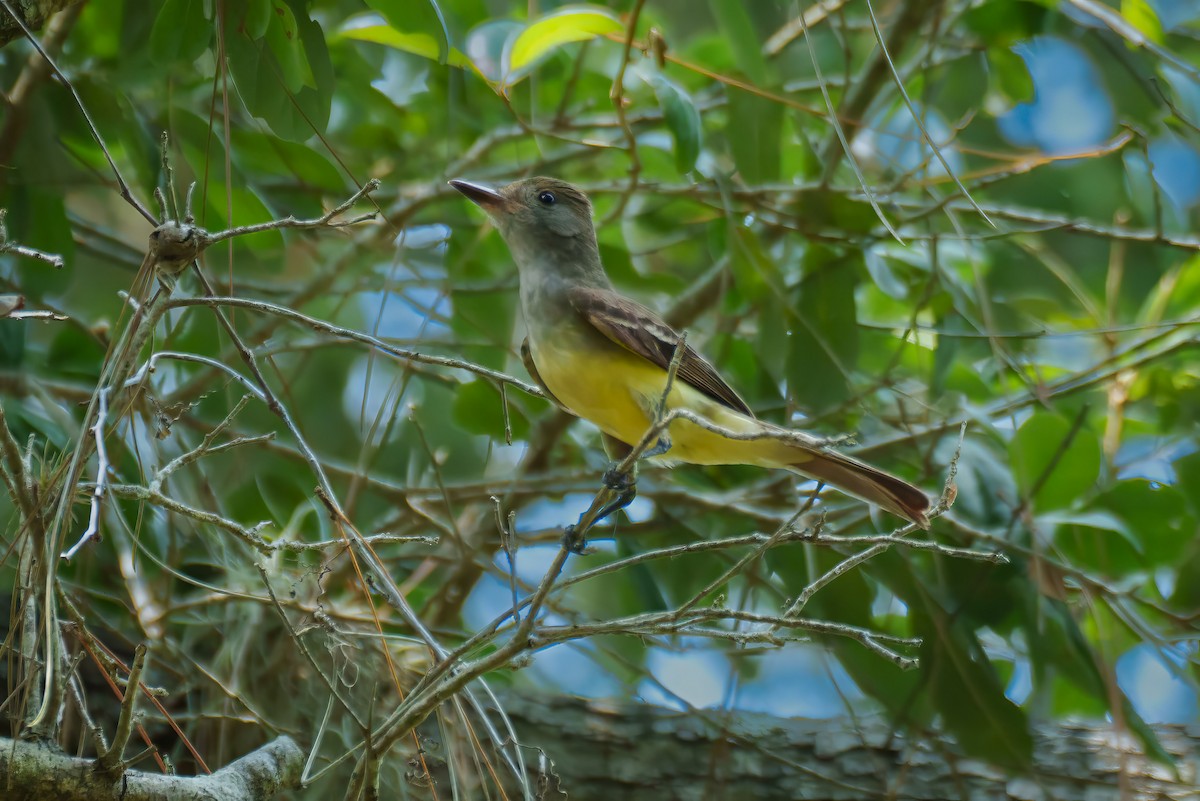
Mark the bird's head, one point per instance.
(534, 212)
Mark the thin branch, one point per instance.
(53, 259)
(102, 466)
(111, 762)
(125, 191)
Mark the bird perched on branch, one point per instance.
(609, 359)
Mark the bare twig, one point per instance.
(93, 526)
(125, 191)
(53, 259)
(111, 761)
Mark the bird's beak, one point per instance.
(487, 199)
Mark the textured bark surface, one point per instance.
(32, 12)
(633, 752)
(32, 771)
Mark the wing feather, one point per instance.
(639, 330)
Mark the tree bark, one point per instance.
(603, 750)
(33, 14)
(33, 771)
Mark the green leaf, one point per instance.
(294, 115)
(180, 33)
(479, 409)
(1008, 77)
(970, 697)
(1058, 641)
(417, 16)
(1060, 464)
(419, 44)
(1156, 515)
(489, 44)
(682, 118)
(754, 132)
(883, 275)
(256, 17)
(1140, 14)
(733, 20)
(823, 346)
(283, 37)
(576, 24)
(1003, 23)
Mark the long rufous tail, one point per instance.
(867, 483)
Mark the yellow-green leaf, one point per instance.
(553, 30)
(283, 38)
(419, 44)
(1140, 14)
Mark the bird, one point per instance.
(608, 359)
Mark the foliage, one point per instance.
(976, 267)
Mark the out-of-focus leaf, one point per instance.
(417, 16)
(985, 481)
(1063, 470)
(1186, 598)
(180, 33)
(263, 156)
(737, 29)
(1002, 23)
(488, 47)
(283, 37)
(883, 275)
(256, 17)
(1176, 293)
(970, 697)
(1059, 642)
(1141, 15)
(419, 44)
(1156, 515)
(37, 218)
(1086, 539)
(576, 24)
(752, 268)
(1187, 471)
(682, 118)
(823, 347)
(754, 133)
(1008, 77)
(294, 114)
(1186, 90)
(478, 408)
(12, 343)
(74, 353)
(819, 208)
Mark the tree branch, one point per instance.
(34, 771)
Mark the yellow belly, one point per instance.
(618, 391)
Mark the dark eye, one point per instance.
(547, 198)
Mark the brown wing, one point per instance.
(639, 330)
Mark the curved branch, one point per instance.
(36, 770)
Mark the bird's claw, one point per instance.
(662, 446)
(618, 480)
(574, 541)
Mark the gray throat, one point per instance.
(548, 274)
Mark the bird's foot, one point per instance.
(616, 483)
(662, 446)
(617, 480)
(574, 540)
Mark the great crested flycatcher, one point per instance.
(605, 358)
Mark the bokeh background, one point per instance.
(1008, 241)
